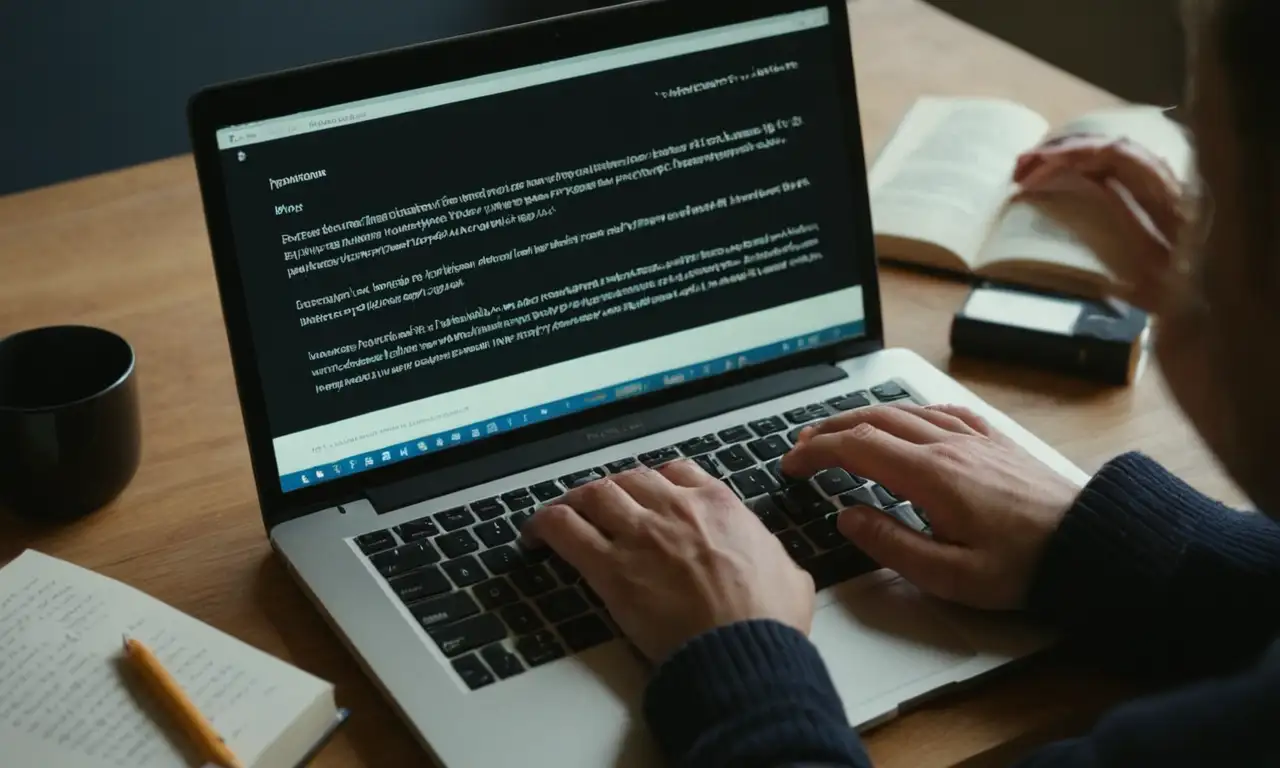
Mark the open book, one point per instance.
(67, 699)
(942, 188)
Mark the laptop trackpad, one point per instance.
(881, 637)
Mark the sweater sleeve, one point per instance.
(751, 695)
(1147, 573)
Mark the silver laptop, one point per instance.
(462, 278)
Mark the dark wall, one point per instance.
(91, 86)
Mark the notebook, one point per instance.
(67, 698)
(941, 193)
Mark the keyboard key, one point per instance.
(735, 434)
(503, 662)
(804, 505)
(567, 573)
(622, 465)
(699, 445)
(521, 618)
(885, 498)
(405, 558)
(796, 545)
(487, 509)
(373, 543)
(546, 491)
(708, 465)
(838, 565)
(823, 533)
(775, 468)
(444, 610)
(767, 510)
(453, 519)
(561, 605)
(591, 595)
(768, 426)
(464, 571)
(495, 593)
(834, 482)
(798, 416)
(793, 436)
(736, 458)
(659, 457)
(531, 554)
(472, 671)
(418, 529)
(860, 497)
(533, 581)
(907, 516)
(754, 482)
(770, 447)
(850, 401)
(520, 518)
(889, 391)
(585, 632)
(520, 499)
(500, 560)
(495, 533)
(457, 544)
(818, 411)
(581, 478)
(421, 584)
(468, 634)
(539, 648)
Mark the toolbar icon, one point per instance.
(368, 461)
(319, 474)
(439, 442)
(353, 463)
(475, 433)
(404, 451)
(306, 480)
(337, 469)
(422, 446)
(455, 437)
(386, 455)
(491, 428)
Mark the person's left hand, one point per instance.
(673, 553)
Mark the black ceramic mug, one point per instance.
(70, 435)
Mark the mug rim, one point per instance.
(114, 385)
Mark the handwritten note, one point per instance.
(67, 699)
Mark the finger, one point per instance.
(863, 450)
(649, 488)
(896, 421)
(687, 474)
(971, 419)
(931, 565)
(573, 538)
(607, 506)
(940, 418)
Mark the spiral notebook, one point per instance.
(68, 699)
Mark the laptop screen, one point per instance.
(430, 268)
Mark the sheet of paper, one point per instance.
(66, 698)
(945, 174)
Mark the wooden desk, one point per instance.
(128, 251)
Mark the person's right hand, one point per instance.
(992, 506)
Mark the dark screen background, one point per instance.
(417, 157)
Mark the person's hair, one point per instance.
(1244, 36)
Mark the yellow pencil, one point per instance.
(176, 703)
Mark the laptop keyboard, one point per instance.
(496, 609)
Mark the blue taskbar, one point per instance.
(439, 441)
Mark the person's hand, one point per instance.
(992, 506)
(673, 553)
(1143, 199)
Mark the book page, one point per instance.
(945, 174)
(67, 699)
(1069, 233)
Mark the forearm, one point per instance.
(753, 695)
(1151, 574)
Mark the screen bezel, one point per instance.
(403, 69)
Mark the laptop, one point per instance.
(461, 278)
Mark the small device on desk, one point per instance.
(1101, 340)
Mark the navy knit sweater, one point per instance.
(1143, 572)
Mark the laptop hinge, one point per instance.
(457, 477)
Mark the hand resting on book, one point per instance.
(1164, 224)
